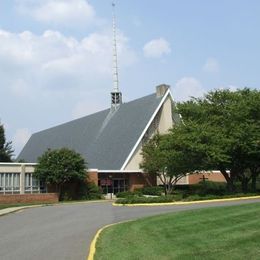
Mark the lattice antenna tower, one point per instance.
(116, 95)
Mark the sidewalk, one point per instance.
(14, 209)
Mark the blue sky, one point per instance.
(56, 60)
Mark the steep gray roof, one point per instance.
(103, 139)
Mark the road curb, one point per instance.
(83, 202)
(92, 248)
(185, 202)
(15, 209)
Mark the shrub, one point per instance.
(137, 199)
(126, 194)
(213, 188)
(89, 191)
(93, 192)
(202, 188)
(177, 197)
(155, 190)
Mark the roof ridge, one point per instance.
(105, 122)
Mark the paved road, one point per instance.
(66, 231)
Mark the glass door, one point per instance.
(119, 185)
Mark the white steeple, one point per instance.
(116, 95)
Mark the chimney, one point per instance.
(161, 90)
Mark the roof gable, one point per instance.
(105, 140)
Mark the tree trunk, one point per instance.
(165, 188)
(244, 183)
(229, 179)
(147, 179)
(60, 191)
(253, 182)
(169, 190)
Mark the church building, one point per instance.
(111, 140)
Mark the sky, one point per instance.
(56, 55)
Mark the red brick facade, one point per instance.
(139, 180)
(92, 177)
(29, 198)
(215, 176)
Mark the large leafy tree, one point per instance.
(164, 156)
(61, 166)
(224, 129)
(6, 151)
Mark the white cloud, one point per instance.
(41, 73)
(31, 63)
(156, 48)
(58, 12)
(20, 138)
(19, 88)
(187, 87)
(211, 65)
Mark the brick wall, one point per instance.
(92, 177)
(29, 198)
(139, 180)
(211, 176)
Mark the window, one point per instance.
(31, 183)
(9, 183)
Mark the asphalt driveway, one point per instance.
(66, 231)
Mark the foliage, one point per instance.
(180, 197)
(209, 187)
(138, 199)
(61, 166)
(223, 129)
(164, 157)
(154, 190)
(6, 150)
(89, 191)
(125, 194)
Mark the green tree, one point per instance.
(6, 151)
(224, 129)
(164, 156)
(61, 166)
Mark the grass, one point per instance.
(214, 233)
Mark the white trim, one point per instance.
(145, 129)
(15, 163)
(120, 171)
(207, 172)
(92, 170)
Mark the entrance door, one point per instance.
(119, 185)
(113, 186)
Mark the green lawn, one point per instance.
(215, 233)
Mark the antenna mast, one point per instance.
(115, 66)
(116, 95)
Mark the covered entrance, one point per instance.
(113, 183)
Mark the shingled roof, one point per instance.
(104, 139)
